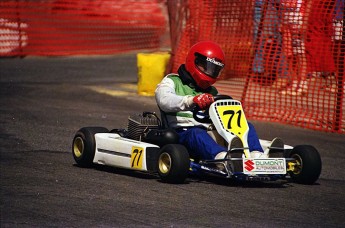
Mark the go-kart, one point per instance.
(149, 145)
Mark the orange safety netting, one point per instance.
(74, 27)
(284, 58)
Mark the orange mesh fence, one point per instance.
(284, 58)
(74, 27)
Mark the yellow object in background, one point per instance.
(151, 70)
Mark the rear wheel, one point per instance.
(84, 145)
(173, 163)
(307, 165)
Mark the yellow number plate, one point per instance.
(233, 119)
(137, 157)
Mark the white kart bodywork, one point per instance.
(114, 150)
(172, 162)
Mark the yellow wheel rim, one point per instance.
(164, 163)
(78, 147)
(297, 168)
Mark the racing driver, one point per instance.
(178, 94)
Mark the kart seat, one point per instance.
(163, 136)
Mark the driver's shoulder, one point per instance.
(173, 77)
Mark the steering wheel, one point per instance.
(197, 112)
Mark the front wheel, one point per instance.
(306, 166)
(173, 163)
(84, 145)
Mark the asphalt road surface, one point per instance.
(44, 101)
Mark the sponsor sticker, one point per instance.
(264, 166)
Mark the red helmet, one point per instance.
(205, 61)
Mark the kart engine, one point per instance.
(141, 124)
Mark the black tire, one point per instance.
(308, 165)
(173, 164)
(84, 145)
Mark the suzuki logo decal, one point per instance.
(249, 165)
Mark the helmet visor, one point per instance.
(209, 66)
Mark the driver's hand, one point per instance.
(203, 100)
